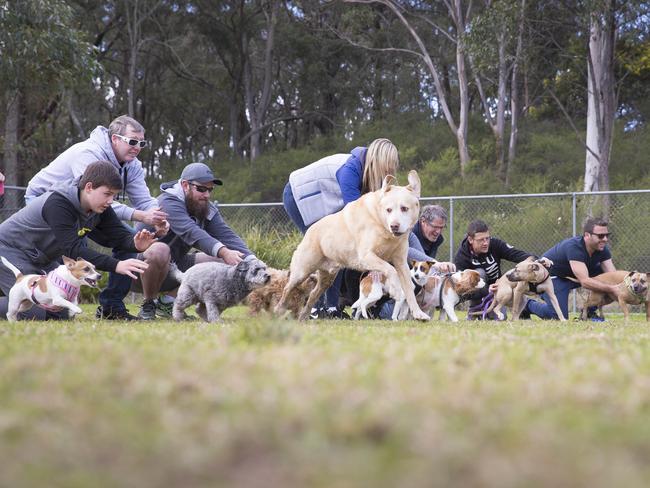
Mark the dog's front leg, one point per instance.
(517, 305)
(626, 311)
(556, 305)
(59, 301)
(647, 309)
(212, 312)
(404, 276)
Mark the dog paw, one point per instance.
(421, 316)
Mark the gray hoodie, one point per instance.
(72, 162)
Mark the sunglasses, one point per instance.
(201, 188)
(602, 236)
(132, 142)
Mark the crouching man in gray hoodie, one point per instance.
(55, 224)
(194, 222)
(120, 144)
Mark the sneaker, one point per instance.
(147, 310)
(113, 314)
(164, 310)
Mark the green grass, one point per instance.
(262, 402)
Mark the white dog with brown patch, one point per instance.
(445, 292)
(371, 234)
(55, 291)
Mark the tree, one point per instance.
(41, 55)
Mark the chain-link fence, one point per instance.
(531, 222)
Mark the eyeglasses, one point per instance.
(201, 188)
(482, 239)
(132, 142)
(436, 227)
(602, 237)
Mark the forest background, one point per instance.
(481, 97)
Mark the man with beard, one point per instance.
(194, 222)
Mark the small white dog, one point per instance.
(55, 291)
(444, 292)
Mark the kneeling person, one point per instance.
(194, 222)
(54, 224)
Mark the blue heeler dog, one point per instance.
(217, 286)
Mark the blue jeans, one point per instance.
(289, 202)
(119, 285)
(561, 287)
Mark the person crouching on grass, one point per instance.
(55, 224)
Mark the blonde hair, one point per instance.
(381, 159)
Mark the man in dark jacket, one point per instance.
(482, 252)
(194, 222)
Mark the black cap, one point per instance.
(199, 172)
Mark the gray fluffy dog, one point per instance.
(217, 286)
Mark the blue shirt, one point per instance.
(350, 175)
(429, 248)
(574, 249)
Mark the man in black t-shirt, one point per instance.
(482, 252)
(575, 261)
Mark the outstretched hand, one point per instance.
(129, 267)
(143, 239)
(230, 256)
(162, 228)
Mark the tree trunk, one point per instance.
(514, 96)
(13, 175)
(601, 97)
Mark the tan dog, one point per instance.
(529, 277)
(372, 287)
(445, 291)
(268, 296)
(632, 290)
(55, 291)
(370, 233)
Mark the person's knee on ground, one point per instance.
(158, 259)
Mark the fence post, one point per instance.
(574, 220)
(451, 230)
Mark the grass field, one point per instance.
(257, 402)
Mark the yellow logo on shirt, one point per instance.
(83, 231)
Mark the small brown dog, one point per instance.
(632, 290)
(528, 277)
(268, 296)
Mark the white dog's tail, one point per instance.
(6, 262)
(176, 273)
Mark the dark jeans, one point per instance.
(119, 285)
(289, 202)
(561, 287)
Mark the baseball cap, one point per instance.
(199, 172)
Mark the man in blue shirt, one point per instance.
(575, 261)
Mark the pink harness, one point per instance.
(70, 291)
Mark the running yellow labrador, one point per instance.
(370, 234)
